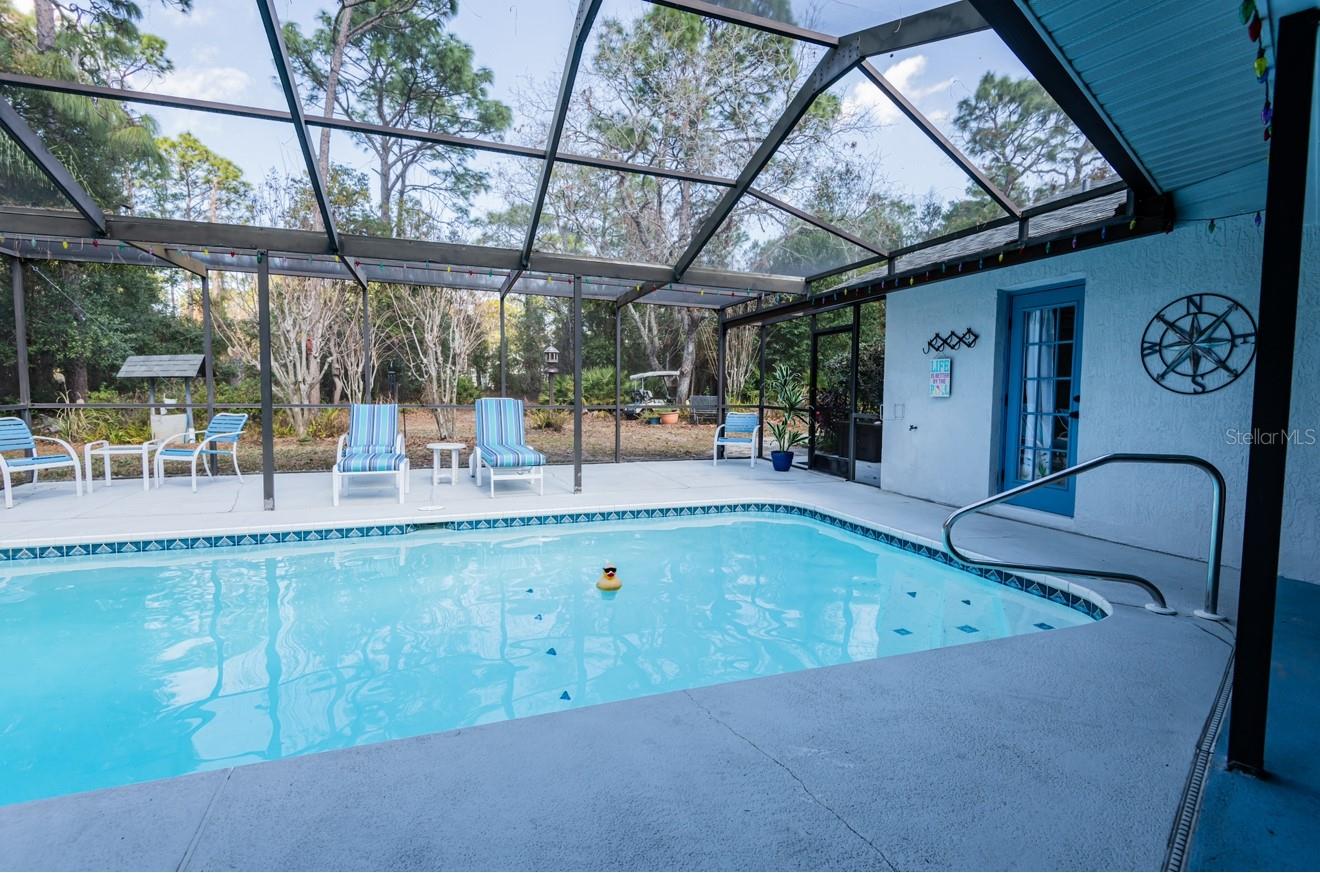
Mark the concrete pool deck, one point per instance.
(1064, 750)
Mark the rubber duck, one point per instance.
(609, 580)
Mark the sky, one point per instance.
(219, 53)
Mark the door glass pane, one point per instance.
(1025, 460)
(832, 412)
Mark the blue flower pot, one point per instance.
(782, 461)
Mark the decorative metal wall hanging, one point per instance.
(951, 342)
(1199, 343)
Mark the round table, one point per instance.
(453, 449)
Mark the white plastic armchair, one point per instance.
(221, 438)
(746, 425)
(15, 435)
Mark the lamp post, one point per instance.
(551, 369)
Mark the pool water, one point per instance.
(124, 669)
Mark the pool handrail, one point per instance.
(1160, 605)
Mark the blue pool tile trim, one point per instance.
(1019, 583)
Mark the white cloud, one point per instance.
(906, 76)
(208, 83)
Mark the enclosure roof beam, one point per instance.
(50, 165)
(943, 22)
(290, 86)
(1151, 216)
(348, 125)
(509, 281)
(1038, 53)
(730, 15)
(586, 16)
(176, 233)
(638, 293)
(941, 141)
(238, 110)
(172, 258)
(815, 221)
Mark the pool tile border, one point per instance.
(1036, 588)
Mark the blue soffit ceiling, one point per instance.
(1175, 80)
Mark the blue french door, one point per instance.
(1043, 402)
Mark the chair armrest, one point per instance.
(339, 447)
(718, 431)
(399, 444)
(94, 445)
(68, 449)
(217, 437)
(169, 439)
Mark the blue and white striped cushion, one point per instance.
(373, 427)
(371, 462)
(500, 455)
(500, 422)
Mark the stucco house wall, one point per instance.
(948, 449)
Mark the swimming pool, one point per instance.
(135, 667)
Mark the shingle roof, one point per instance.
(162, 367)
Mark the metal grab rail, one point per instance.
(1211, 610)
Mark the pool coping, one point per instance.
(1052, 588)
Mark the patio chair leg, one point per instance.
(233, 456)
(492, 483)
(194, 474)
(399, 481)
(334, 487)
(77, 480)
(146, 475)
(9, 498)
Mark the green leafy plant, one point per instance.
(785, 386)
(547, 419)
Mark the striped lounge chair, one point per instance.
(739, 429)
(220, 438)
(16, 436)
(373, 446)
(502, 444)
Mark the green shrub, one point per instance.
(547, 419)
(597, 387)
(466, 391)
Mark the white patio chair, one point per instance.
(745, 425)
(502, 445)
(373, 446)
(221, 438)
(15, 436)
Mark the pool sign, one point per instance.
(941, 377)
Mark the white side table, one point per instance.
(105, 450)
(453, 449)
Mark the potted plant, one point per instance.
(785, 386)
(668, 416)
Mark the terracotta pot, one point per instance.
(669, 418)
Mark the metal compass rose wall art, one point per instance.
(1199, 343)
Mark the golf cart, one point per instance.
(649, 391)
